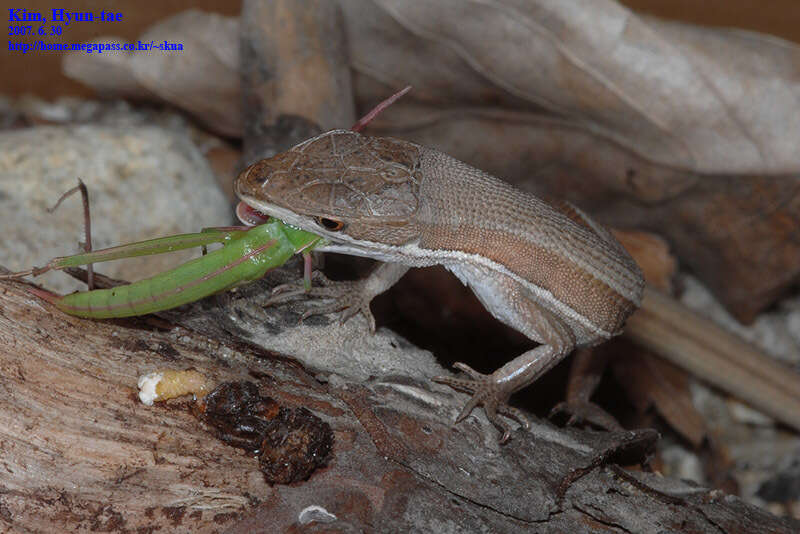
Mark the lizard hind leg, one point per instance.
(493, 390)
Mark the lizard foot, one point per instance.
(586, 412)
(486, 391)
(348, 297)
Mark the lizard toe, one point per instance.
(470, 371)
(463, 385)
(515, 414)
(359, 305)
(282, 297)
(467, 409)
(492, 406)
(290, 290)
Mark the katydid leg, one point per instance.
(87, 224)
(140, 248)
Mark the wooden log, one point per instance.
(81, 453)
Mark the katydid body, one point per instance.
(246, 255)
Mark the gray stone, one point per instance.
(144, 182)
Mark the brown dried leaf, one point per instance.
(295, 74)
(203, 77)
(651, 381)
(108, 73)
(652, 254)
(701, 99)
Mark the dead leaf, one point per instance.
(653, 255)
(699, 99)
(202, 78)
(108, 73)
(651, 381)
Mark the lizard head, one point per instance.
(351, 189)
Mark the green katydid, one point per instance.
(247, 254)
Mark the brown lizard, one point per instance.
(549, 271)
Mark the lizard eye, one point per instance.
(330, 224)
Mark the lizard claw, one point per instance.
(286, 292)
(486, 391)
(347, 297)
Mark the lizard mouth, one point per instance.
(332, 241)
(251, 211)
(249, 215)
(262, 212)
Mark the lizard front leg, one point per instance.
(349, 297)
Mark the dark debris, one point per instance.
(291, 443)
